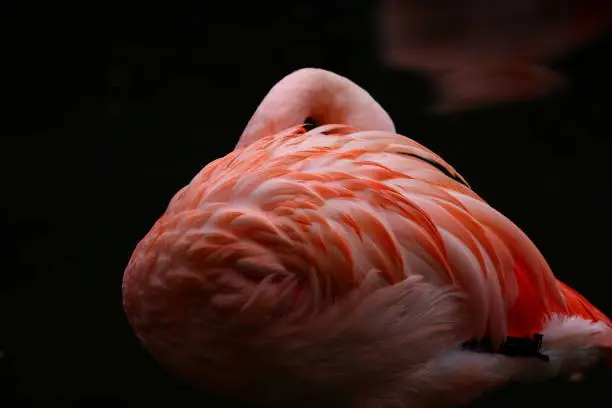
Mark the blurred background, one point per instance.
(110, 109)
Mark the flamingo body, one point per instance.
(342, 265)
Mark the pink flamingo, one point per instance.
(348, 266)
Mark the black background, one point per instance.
(109, 111)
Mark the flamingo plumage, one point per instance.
(346, 265)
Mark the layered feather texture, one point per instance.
(338, 266)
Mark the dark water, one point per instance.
(110, 110)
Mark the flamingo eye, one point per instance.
(310, 123)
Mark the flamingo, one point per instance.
(348, 265)
(478, 53)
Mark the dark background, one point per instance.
(109, 111)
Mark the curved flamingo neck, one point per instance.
(321, 95)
